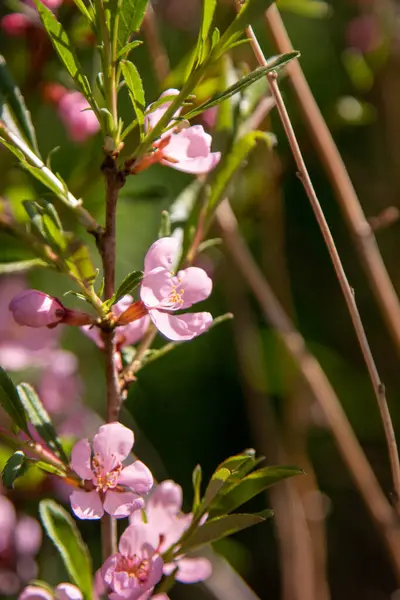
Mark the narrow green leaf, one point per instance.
(11, 95)
(15, 467)
(273, 64)
(165, 225)
(250, 486)
(85, 11)
(12, 149)
(136, 91)
(21, 266)
(65, 51)
(208, 15)
(123, 53)
(78, 259)
(196, 479)
(127, 286)
(230, 165)
(65, 535)
(250, 12)
(40, 419)
(220, 527)
(131, 15)
(11, 402)
(217, 482)
(49, 468)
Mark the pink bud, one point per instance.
(80, 121)
(15, 24)
(36, 309)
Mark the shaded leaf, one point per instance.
(11, 95)
(15, 467)
(196, 479)
(131, 15)
(127, 286)
(40, 419)
(10, 401)
(65, 535)
(21, 266)
(220, 527)
(127, 49)
(165, 225)
(78, 259)
(136, 91)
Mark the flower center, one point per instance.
(135, 567)
(105, 480)
(175, 299)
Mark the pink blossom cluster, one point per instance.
(16, 24)
(20, 540)
(182, 147)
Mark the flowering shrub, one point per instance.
(156, 543)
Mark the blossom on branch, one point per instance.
(133, 572)
(163, 514)
(186, 149)
(163, 293)
(109, 486)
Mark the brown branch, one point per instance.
(347, 291)
(353, 456)
(358, 225)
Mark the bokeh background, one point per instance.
(236, 387)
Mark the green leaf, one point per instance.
(136, 91)
(65, 51)
(273, 64)
(165, 225)
(85, 11)
(217, 482)
(127, 286)
(21, 266)
(77, 258)
(49, 468)
(11, 95)
(16, 466)
(40, 419)
(64, 533)
(208, 15)
(11, 402)
(131, 15)
(230, 165)
(123, 53)
(250, 11)
(46, 222)
(250, 486)
(221, 527)
(196, 479)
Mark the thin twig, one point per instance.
(159, 57)
(333, 164)
(353, 456)
(347, 291)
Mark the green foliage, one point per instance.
(131, 15)
(136, 91)
(62, 530)
(65, 51)
(14, 468)
(250, 12)
(11, 402)
(40, 419)
(165, 225)
(79, 263)
(127, 286)
(11, 97)
(197, 476)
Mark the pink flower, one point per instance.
(20, 540)
(79, 120)
(137, 567)
(164, 516)
(185, 149)
(36, 309)
(64, 591)
(163, 292)
(15, 24)
(126, 334)
(110, 487)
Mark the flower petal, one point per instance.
(140, 539)
(191, 570)
(86, 505)
(195, 166)
(113, 443)
(167, 495)
(196, 284)
(34, 592)
(179, 328)
(157, 288)
(163, 253)
(67, 591)
(153, 116)
(138, 477)
(190, 151)
(81, 459)
(122, 504)
(133, 332)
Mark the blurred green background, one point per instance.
(199, 404)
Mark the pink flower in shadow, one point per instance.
(111, 487)
(63, 591)
(185, 149)
(134, 571)
(163, 514)
(162, 292)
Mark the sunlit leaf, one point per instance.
(131, 15)
(127, 286)
(136, 91)
(11, 402)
